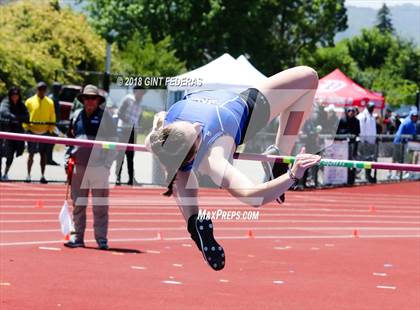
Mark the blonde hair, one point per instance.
(173, 150)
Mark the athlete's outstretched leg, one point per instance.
(290, 94)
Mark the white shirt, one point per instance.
(367, 127)
(132, 112)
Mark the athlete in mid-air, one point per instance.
(200, 133)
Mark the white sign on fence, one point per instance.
(336, 150)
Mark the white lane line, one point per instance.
(278, 282)
(138, 267)
(292, 206)
(234, 221)
(150, 192)
(387, 287)
(379, 274)
(4, 284)
(263, 212)
(159, 204)
(226, 200)
(128, 191)
(349, 236)
(224, 280)
(152, 252)
(171, 282)
(388, 265)
(177, 265)
(49, 248)
(281, 248)
(356, 195)
(221, 228)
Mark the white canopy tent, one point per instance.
(251, 71)
(225, 72)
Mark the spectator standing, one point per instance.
(13, 113)
(129, 115)
(379, 124)
(42, 122)
(92, 166)
(368, 137)
(397, 122)
(329, 125)
(407, 127)
(313, 144)
(350, 125)
(389, 126)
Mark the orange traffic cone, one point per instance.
(67, 237)
(250, 234)
(39, 204)
(355, 233)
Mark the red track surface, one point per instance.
(302, 256)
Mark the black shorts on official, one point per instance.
(259, 113)
(37, 147)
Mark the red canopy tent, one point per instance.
(338, 89)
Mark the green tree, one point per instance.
(396, 89)
(404, 61)
(388, 64)
(383, 20)
(123, 16)
(326, 59)
(273, 33)
(371, 48)
(39, 39)
(148, 59)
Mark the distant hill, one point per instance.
(405, 18)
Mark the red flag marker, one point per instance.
(355, 233)
(250, 234)
(39, 204)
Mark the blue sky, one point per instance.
(378, 3)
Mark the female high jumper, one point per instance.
(200, 133)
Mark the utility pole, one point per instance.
(107, 74)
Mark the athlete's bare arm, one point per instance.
(226, 175)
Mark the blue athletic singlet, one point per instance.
(219, 112)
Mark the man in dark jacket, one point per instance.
(92, 166)
(13, 113)
(349, 125)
